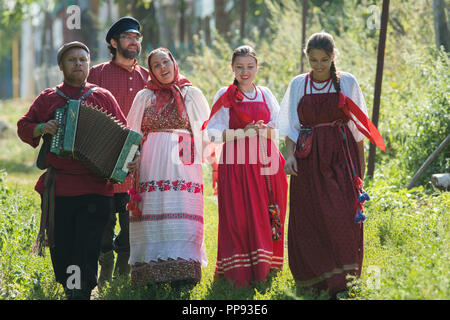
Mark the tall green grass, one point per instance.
(407, 239)
(406, 253)
(16, 157)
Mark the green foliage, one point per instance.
(430, 117)
(22, 275)
(12, 13)
(16, 157)
(275, 68)
(407, 239)
(417, 115)
(414, 108)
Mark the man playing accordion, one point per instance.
(76, 204)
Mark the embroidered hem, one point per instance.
(327, 275)
(165, 216)
(245, 260)
(166, 185)
(165, 271)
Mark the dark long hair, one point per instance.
(324, 41)
(243, 51)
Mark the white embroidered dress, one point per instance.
(171, 225)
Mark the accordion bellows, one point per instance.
(102, 143)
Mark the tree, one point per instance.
(11, 15)
(243, 17)
(441, 25)
(223, 18)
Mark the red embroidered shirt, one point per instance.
(72, 177)
(124, 83)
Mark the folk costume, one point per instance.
(246, 251)
(82, 200)
(124, 83)
(167, 222)
(325, 242)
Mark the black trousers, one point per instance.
(78, 230)
(120, 243)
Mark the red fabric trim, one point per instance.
(369, 130)
(229, 100)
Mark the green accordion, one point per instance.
(98, 140)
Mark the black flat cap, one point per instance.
(70, 45)
(124, 24)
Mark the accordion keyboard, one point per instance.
(97, 139)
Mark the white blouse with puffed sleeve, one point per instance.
(288, 122)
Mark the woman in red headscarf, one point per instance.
(166, 223)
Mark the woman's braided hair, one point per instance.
(324, 41)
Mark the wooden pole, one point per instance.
(243, 17)
(427, 163)
(378, 81)
(304, 14)
(15, 68)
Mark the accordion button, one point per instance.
(131, 78)
(131, 89)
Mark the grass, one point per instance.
(16, 157)
(406, 242)
(406, 253)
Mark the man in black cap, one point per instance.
(123, 77)
(76, 203)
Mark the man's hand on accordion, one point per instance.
(49, 127)
(133, 166)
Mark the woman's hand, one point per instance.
(263, 129)
(290, 166)
(215, 173)
(133, 166)
(215, 178)
(362, 158)
(251, 129)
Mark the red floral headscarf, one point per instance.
(165, 92)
